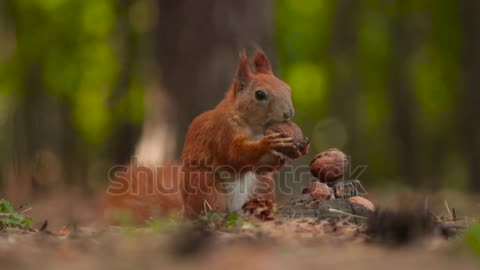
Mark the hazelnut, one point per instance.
(362, 201)
(319, 191)
(290, 129)
(329, 165)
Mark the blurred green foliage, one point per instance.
(76, 49)
(11, 218)
(305, 31)
(472, 237)
(302, 33)
(85, 55)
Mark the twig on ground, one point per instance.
(448, 210)
(345, 213)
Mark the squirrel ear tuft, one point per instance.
(261, 62)
(243, 72)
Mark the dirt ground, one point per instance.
(249, 244)
(292, 248)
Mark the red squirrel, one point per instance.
(226, 159)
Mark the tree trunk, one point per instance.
(198, 44)
(402, 100)
(36, 131)
(123, 140)
(470, 101)
(345, 82)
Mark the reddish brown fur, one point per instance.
(139, 193)
(225, 139)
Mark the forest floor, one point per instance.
(75, 241)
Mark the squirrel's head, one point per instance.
(260, 97)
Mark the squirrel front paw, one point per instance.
(280, 143)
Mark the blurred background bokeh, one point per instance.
(88, 84)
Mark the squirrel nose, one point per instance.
(288, 115)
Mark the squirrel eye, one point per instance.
(260, 95)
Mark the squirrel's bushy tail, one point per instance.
(139, 192)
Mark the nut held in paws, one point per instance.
(292, 130)
(329, 165)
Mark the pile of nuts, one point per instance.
(328, 167)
